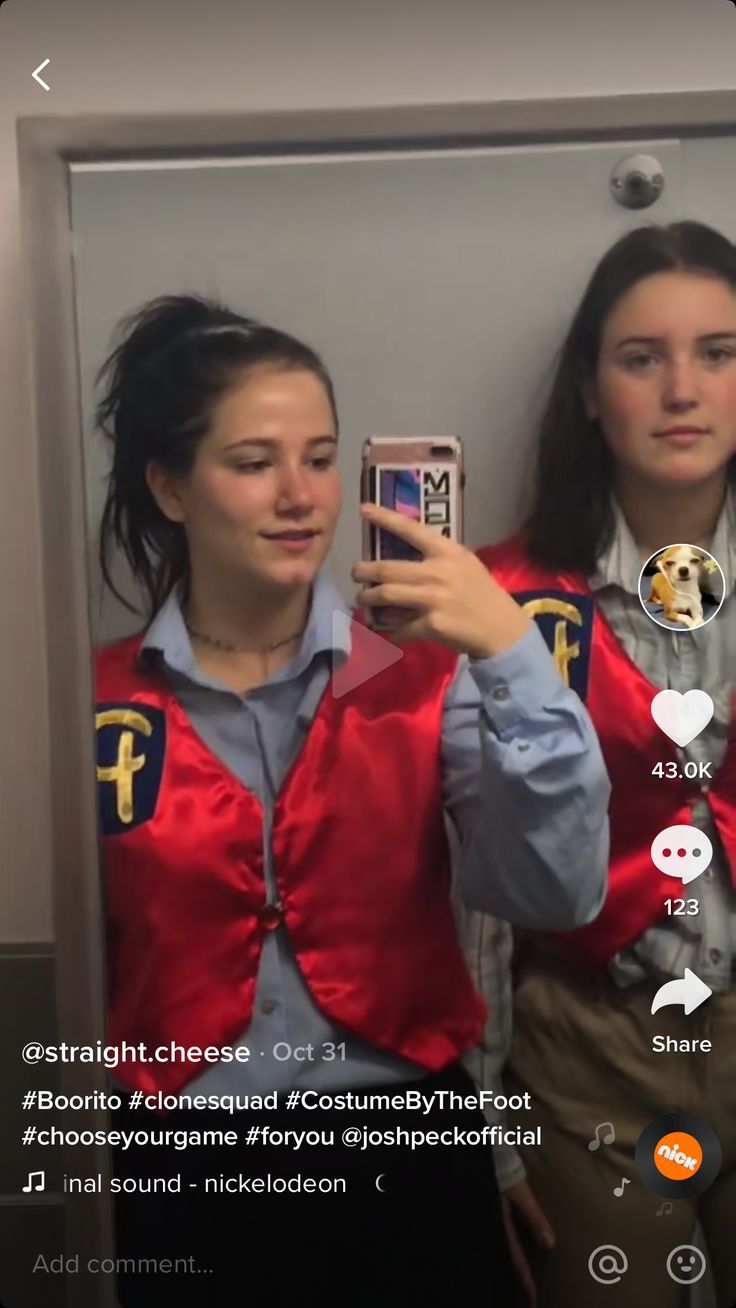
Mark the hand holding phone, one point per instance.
(420, 477)
(448, 593)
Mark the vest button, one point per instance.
(270, 916)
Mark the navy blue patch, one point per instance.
(131, 741)
(566, 622)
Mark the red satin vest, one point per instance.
(360, 854)
(618, 697)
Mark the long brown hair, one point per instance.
(571, 521)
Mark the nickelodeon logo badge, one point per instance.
(678, 1156)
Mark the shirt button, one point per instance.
(270, 916)
(704, 788)
(501, 693)
(522, 745)
(269, 1006)
(715, 955)
(708, 876)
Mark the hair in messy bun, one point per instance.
(175, 359)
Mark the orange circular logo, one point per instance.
(677, 1155)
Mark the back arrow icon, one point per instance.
(690, 991)
(40, 79)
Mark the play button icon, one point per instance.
(369, 654)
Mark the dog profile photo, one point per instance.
(681, 587)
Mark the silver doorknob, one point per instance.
(637, 182)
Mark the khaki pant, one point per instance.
(582, 1047)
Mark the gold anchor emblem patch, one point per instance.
(562, 652)
(121, 773)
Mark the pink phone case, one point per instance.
(420, 476)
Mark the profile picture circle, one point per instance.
(681, 587)
(678, 1156)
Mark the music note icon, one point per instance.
(666, 1209)
(608, 1138)
(619, 1189)
(34, 1185)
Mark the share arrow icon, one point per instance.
(691, 992)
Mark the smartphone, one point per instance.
(422, 477)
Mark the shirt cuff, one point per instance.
(518, 683)
(510, 1170)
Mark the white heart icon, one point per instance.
(682, 717)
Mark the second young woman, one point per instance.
(637, 453)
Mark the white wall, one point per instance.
(169, 56)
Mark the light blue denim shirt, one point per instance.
(524, 786)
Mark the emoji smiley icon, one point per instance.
(686, 1264)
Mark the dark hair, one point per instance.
(176, 358)
(571, 521)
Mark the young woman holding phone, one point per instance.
(276, 863)
(636, 453)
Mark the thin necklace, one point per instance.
(241, 649)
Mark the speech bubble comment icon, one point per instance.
(682, 852)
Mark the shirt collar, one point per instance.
(621, 563)
(327, 629)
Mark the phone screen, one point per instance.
(399, 489)
(245, 1033)
(424, 492)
